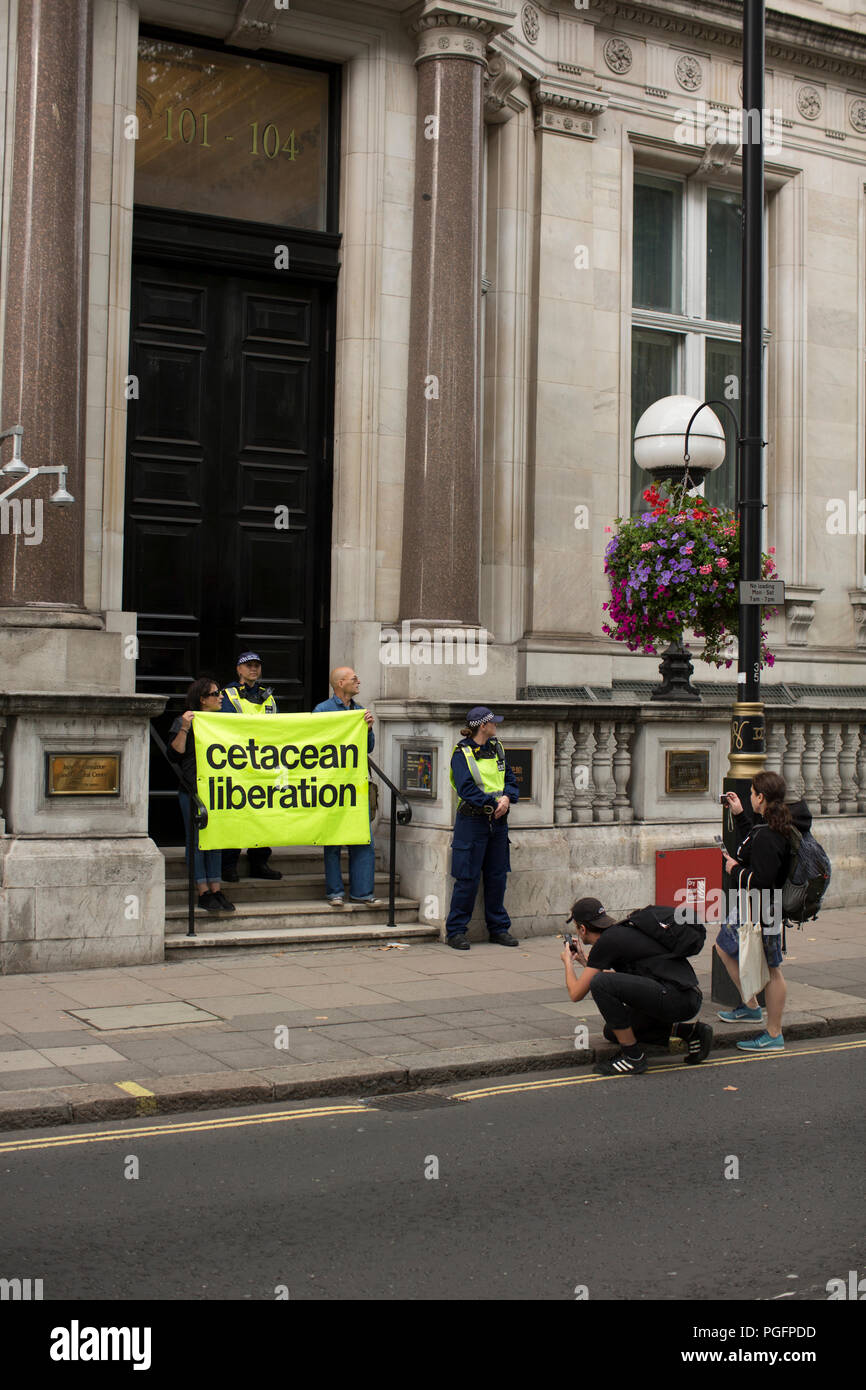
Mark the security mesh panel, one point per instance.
(410, 1100)
(556, 692)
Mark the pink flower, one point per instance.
(722, 564)
(705, 569)
(607, 529)
(771, 550)
(647, 545)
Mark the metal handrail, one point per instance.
(404, 817)
(197, 822)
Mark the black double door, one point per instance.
(228, 488)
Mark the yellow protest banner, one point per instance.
(282, 779)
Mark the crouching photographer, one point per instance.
(639, 977)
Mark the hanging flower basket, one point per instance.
(677, 566)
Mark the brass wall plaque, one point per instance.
(520, 762)
(418, 770)
(687, 770)
(82, 774)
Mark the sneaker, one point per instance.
(262, 871)
(458, 941)
(763, 1043)
(743, 1014)
(208, 902)
(620, 1065)
(371, 902)
(223, 901)
(504, 938)
(699, 1044)
(336, 900)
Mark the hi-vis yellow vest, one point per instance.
(242, 706)
(486, 773)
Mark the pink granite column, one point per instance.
(45, 348)
(441, 508)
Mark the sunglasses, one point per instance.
(209, 694)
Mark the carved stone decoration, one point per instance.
(857, 599)
(622, 807)
(502, 77)
(800, 601)
(617, 55)
(457, 35)
(857, 115)
(775, 746)
(602, 772)
(689, 73)
(530, 23)
(792, 764)
(848, 769)
(581, 775)
(566, 110)
(830, 770)
(811, 765)
(564, 793)
(809, 103)
(861, 772)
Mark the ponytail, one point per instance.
(774, 789)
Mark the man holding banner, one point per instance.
(362, 857)
(292, 779)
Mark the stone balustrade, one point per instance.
(820, 753)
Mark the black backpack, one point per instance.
(807, 881)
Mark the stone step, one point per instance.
(293, 887)
(207, 942)
(279, 915)
(290, 860)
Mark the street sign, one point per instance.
(762, 591)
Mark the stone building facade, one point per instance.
(495, 231)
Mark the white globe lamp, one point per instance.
(660, 440)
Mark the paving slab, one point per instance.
(143, 1015)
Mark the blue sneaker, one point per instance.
(743, 1014)
(763, 1043)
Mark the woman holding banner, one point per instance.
(204, 695)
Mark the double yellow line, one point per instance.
(168, 1128)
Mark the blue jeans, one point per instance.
(207, 862)
(362, 870)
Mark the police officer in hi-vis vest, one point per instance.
(486, 788)
(249, 696)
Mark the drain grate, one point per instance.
(410, 1100)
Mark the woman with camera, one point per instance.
(762, 862)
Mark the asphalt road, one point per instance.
(548, 1185)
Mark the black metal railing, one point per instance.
(404, 817)
(196, 821)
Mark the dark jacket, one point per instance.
(765, 855)
(652, 943)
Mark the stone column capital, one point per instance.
(565, 108)
(458, 28)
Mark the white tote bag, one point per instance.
(754, 971)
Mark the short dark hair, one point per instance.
(197, 691)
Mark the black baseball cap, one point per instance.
(480, 714)
(590, 912)
(248, 656)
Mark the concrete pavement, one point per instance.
(251, 1027)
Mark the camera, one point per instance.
(569, 941)
(723, 799)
